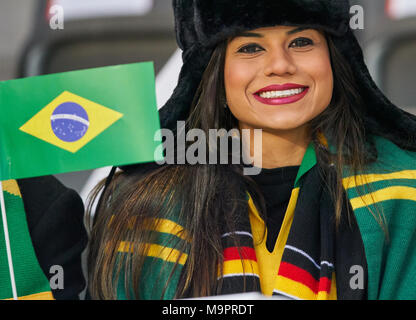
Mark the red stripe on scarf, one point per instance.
(300, 275)
(234, 253)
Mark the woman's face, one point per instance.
(278, 78)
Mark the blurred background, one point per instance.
(108, 32)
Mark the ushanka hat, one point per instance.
(202, 24)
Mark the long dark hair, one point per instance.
(208, 194)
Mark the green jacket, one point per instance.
(391, 261)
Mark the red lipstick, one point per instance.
(285, 100)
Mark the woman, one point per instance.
(330, 215)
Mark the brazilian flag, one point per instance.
(78, 120)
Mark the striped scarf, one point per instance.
(305, 254)
(31, 282)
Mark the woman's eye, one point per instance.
(301, 42)
(251, 48)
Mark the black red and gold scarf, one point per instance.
(314, 259)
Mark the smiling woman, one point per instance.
(278, 80)
(330, 216)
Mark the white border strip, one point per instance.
(70, 117)
(229, 275)
(309, 257)
(239, 233)
(286, 295)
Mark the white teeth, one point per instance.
(281, 94)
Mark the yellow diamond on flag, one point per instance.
(70, 122)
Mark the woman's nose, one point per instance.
(279, 63)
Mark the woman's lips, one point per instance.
(283, 100)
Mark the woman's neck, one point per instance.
(281, 148)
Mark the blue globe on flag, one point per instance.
(69, 122)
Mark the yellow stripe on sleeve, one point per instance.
(370, 178)
(390, 193)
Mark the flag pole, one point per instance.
(7, 240)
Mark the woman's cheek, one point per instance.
(233, 80)
(238, 75)
(327, 83)
(320, 70)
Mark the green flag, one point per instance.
(78, 120)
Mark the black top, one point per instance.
(276, 186)
(55, 220)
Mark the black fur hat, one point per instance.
(201, 24)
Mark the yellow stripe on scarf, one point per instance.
(160, 225)
(157, 251)
(239, 268)
(298, 290)
(268, 262)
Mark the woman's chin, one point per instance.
(281, 125)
